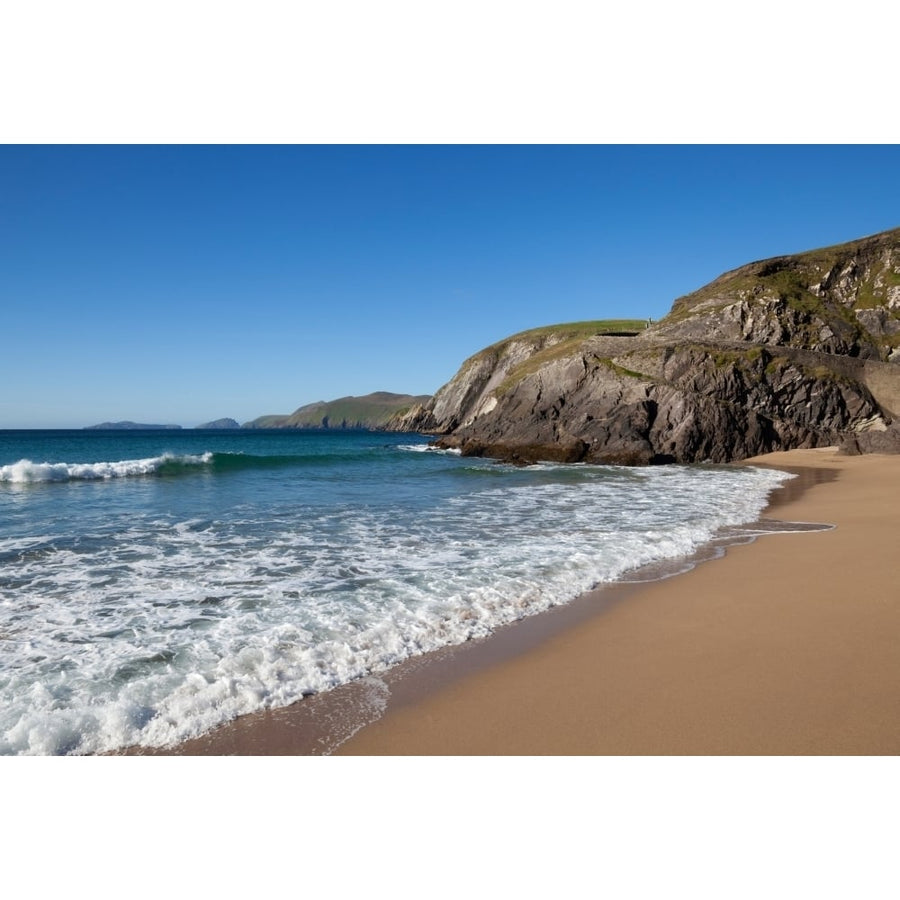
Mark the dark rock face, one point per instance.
(787, 353)
(873, 442)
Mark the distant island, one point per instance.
(220, 423)
(373, 411)
(128, 426)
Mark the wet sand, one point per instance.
(788, 645)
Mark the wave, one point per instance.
(152, 627)
(429, 448)
(27, 472)
(168, 465)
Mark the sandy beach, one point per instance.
(786, 645)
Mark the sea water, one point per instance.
(156, 584)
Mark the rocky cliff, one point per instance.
(796, 351)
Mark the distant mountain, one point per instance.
(273, 421)
(128, 426)
(220, 423)
(372, 411)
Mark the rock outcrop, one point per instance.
(797, 351)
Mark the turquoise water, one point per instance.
(156, 584)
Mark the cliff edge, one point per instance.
(794, 351)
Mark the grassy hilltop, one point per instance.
(371, 411)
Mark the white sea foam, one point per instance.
(27, 472)
(161, 629)
(429, 448)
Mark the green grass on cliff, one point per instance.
(620, 370)
(558, 342)
(566, 331)
(271, 421)
(370, 411)
(578, 329)
(859, 275)
(791, 277)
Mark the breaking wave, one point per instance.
(143, 616)
(429, 448)
(27, 472)
(169, 464)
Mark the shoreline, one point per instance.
(782, 646)
(376, 715)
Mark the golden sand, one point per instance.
(788, 645)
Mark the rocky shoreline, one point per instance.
(790, 353)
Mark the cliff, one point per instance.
(372, 411)
(795, 351)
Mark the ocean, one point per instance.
(156, 584)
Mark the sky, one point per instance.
(184, 283)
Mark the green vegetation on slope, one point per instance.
(370, 411)
(833, 286)
(568, 330)
(274, 421)
(792, 277)
(557, 342)
(564, 332)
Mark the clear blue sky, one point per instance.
(177, 284)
